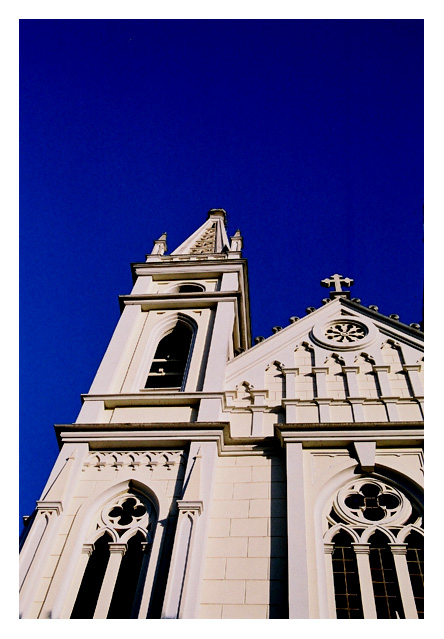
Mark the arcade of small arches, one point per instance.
(374, 552)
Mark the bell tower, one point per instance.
(146, 434)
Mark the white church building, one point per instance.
(211, 477)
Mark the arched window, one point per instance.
(116, 569)
(190, 288)
(92, 579)
(171, 357)
(346, 578)
(415, 564)
(368, 522)
(384, 578)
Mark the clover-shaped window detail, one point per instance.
(372, 502)
(127, 512)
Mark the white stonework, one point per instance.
(242, 489)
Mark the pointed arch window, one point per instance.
(346, 578)
(384, 579)
(415, 564)
(374, 572)
(171, 357)
(113, 579)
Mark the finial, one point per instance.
(160, 245)
(276, 329)
(336, 281)
(236, 241)
(218, 212)
(416, 326)
(372, 307)
(293, 319)
(394, 317)
(356, 300)
(259, 339)
(310, 309)
(326, 300)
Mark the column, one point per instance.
(328, 550)
(405, 585)
(109, 581)
(351, 374)
(290, 382)
(386, 392)
(412, 371)
(210, 408)
(365, 580)
(298, 602)
(321, 393)
(258, 409)
(182, 597)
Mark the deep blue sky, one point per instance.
(308, 132)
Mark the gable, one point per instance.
(340, 333)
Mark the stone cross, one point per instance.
(336, 281)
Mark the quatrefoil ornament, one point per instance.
(371, 501)
(127, 512)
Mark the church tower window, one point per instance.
(92, 580)
(171, 357)
(190, 288)
(116, 569)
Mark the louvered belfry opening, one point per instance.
(170, 359)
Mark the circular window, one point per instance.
(343, 333)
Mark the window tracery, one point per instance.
(169, 364)
(369, 522)
(118, 551)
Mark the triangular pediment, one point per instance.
(340, 327)
(209, 238)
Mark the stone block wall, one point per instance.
(246, 561)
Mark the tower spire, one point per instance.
(210, 238)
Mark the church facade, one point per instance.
(210, 476)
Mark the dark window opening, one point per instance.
(385, 582)
(346, 579)
(170, 360)
(190, 288)
(89, 590)
(415, 563)
(124, 594)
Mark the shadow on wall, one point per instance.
(278, 541)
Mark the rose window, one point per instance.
(369, 501)
(345, 332)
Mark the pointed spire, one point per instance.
(160, 245)
(210, 238)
